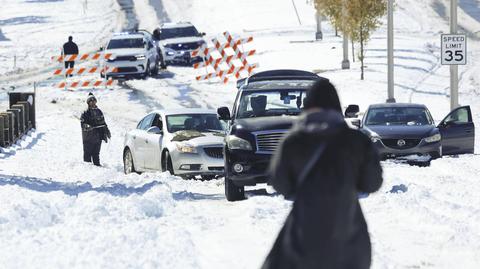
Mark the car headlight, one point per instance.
(170, 53)
(433, 138)
(140, 57)
(234, 142)
(186, 148)
(112, 58)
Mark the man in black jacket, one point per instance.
(94, 130)
(322, 165)
(69, 48)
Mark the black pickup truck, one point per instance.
(265, 108)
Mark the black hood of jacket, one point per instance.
(323, 123)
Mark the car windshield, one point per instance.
(398, 116)
(178, 32)
(125, 43)
(195, 122)
(270, 103)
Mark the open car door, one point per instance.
(458, 132)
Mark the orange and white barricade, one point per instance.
(227, 59)
(83, 75)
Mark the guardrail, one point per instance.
(19, 119)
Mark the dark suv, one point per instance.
(265, 108)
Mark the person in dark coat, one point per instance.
(70, 48)
(326, 227)
(94, 130)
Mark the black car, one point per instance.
(408, 129)
(265, 108)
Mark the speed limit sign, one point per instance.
(454, 49)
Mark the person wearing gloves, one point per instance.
(94, 130)
(322, 165)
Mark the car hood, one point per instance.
(401, 131)
(133, 51)
(265, 123)
(177, 40)
(198, 139)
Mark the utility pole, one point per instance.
(319, 34)
(453, 68)
(391, 83)
(345, 62)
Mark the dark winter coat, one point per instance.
(326, 228)
(94, 128)
(70, 48)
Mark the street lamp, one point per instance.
(345, 62)
(453, 68)
(390, 62)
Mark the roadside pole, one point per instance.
(453, 68)
(319, 34)
(391, 81)
(345, 62)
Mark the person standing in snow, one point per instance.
(322, 165)
(69, 48)
(94, 130)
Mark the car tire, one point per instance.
(167, 163)
(208, 177)
(232, 192)
(128, 165)
(147, 71)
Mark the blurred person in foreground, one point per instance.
(94, 130)
(322, 165)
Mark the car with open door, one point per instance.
(185, 142)
(399, 130)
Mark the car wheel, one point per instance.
(167, 163)
(128, 166)
(232, 192)
(207, 178)
(147, 71)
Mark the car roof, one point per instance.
(178, 111)
(168, 25)
(278, 85)
(387, 105)
(127, 35)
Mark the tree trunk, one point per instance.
(336, 31)
(353, 51)
(361, 55)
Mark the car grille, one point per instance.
(393, 143)
(123, 58)
(214, 152)
(268, 142)
(184, 46)
(126, 69)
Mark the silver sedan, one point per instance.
(185, 142)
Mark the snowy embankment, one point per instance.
(59, 212)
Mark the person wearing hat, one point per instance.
(94, 130)
(322, 165)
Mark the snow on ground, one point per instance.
(65, 213)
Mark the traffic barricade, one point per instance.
(3, 132)
(82, 76)
(7, 128)
(28, 121)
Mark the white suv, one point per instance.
(132, 54)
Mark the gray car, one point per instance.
(408, 129)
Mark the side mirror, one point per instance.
(351, 111)
(224, 113)
(156, 34)
(356, 122)
(154, 130)
(202, 34)
(101, 49)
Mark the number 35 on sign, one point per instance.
(454, 49)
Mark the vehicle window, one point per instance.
(398, 116)
(167, 33)
(270, 103)
(125, 43)
(458, 116)
(197, 122)
(157, 121)
(146, 122)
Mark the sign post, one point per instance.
(455, 54)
